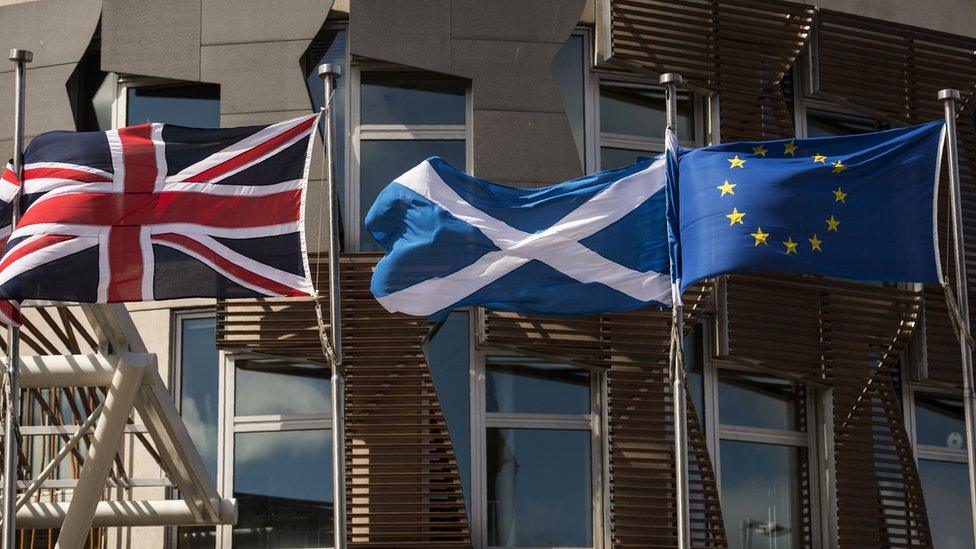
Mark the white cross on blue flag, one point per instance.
(594, 244)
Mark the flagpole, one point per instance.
(11, 451)
(949, 97)
(329, 72)
(670, 82)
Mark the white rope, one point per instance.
(956, 315)
(327, 349)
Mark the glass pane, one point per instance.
(568, 68)
(526, 386)
(269, 387)
(638, 109)
(611, 157)
(539, 492)
(947, 503)
(383, 161)
(196, 105)
(196, 537)
(199, 372)
(764, 491)
(824, 123)
(940, 421)
(755, 400)
(335, 53)
(283, 486)
(411, 98)
(449, 360)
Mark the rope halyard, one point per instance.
(957, 321)
(327, 348)
(675, 356)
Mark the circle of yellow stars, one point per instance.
(760, 237)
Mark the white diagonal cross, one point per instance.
(558, 246)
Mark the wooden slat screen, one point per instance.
(907, 68)
(634, 346)
(403, 486)
(738, 48)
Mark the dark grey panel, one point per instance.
(235, 21)
(531, 147)
(257, 77)
(409, 32)
(502, 72)
(57, 31)
(515, 20)
(152, 38)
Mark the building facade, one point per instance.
(823, 413)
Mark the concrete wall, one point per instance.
(952, 16)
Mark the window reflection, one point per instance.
(612, 157)
(568, 69)
(196, 105)
(940, 421)
(261, 384)
(283, 486)
(755, 400)
(384, 160)
(517, 385)
(825, 123)
(763, 488)
(947, 503)
(639, 110)
(411, 98)
(539, 492)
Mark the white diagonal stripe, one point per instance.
(558, 246)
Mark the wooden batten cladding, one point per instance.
(907, 68)
(403, 488)
(634, 347)
(739, 49)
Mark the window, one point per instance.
(764, 445)
(282, 501)
(400, 118)
(540, 461)
(815, 117)
(196, 386)
(142, 100)
(938, 427)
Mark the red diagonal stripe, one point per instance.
(113, 209)
(273, 286)
(39, 244)
(10, 176)
(252, 153)
(63, 173)
(10, 313)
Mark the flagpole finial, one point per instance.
(670, 78)
(21, 56)
(326, 70)
(949, 94)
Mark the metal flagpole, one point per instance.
(329, 72)
(949, 97)
(11, 451)
(670, 82)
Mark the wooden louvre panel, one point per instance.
(403, 488)
(738, 48)
(634, 346)
(907, 68)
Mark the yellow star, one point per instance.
(735, 217)
(726, 188)
(790, 245)
(737, 162)
(819, 158)
(832, 223)
(838, 167)
(759, 151)
(815, 243)
(840, 195)
(760, 236)
(790, 149)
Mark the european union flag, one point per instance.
(861, 207)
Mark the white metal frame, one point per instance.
(359, 132)
(595, 422)
(819, 460)
(923, 451)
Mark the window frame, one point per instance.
(817, 439)
(122, 84)
(595, 422)
(358, 132)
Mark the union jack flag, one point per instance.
(9, 190)
(157, 211)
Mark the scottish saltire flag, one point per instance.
(861, 207)
(594, 244)
(157, 211)
(9, 191)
